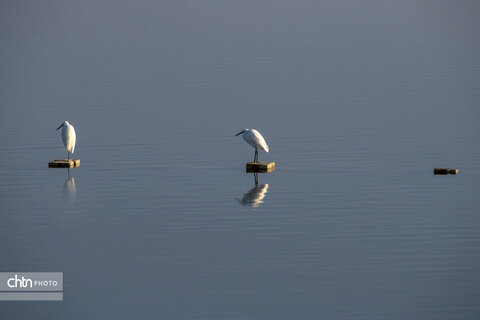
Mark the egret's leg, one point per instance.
(68, 155)
(256, 156)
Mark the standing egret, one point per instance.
(68, 137)
(255, 139)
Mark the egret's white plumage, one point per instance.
(255, 139)
(68, 137)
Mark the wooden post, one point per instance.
(444, 171)
(262, 167)
(64, 163)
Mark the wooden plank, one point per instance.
(262, 167)
(64, 163)
(445, 171)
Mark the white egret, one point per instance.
(255, 139)
(68, 137)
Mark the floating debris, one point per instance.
(444, 171)
(64, 163)
(262, 167)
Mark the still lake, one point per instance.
(358, 102)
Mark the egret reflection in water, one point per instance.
(254, 197)
(69, 190)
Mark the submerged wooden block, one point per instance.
(445, 171)
(262, 167)
(64, 163)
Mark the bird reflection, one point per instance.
(69, 190)
(254, 197)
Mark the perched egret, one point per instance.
(255, 139)
(68, 137)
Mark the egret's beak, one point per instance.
(239, 133)
(59, 127)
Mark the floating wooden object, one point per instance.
(445, 171)
(263, 167)
(64, 163)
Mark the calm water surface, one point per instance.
(358, 101)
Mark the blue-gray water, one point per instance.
(358, 101)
